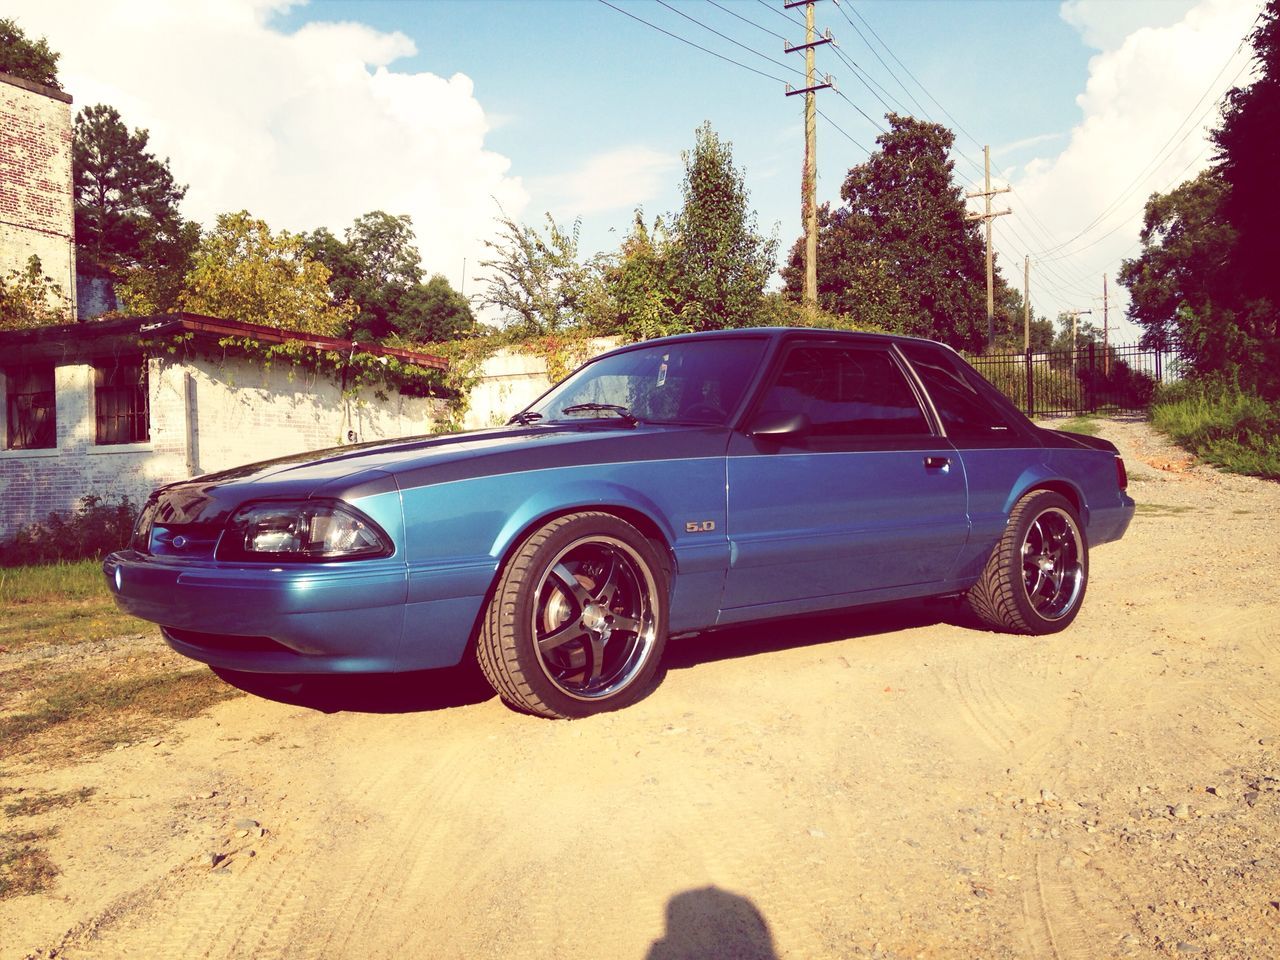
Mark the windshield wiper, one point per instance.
(621, 411)
(524, 418)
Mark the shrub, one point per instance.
(89, 532)
(1229, 427)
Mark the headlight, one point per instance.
(305, 530)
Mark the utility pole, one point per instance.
(1106, 355)
(809, 178)
(1026, 302)
(986, 218)
(1075, 319)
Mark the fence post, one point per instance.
(1092, 388)
(1158, 377)
(1031, 387)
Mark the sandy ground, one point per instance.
(883, 783)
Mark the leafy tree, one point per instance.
(719, 263)
(27, 59)
(377, 269)
(28, 299)
(1186, 291)
(128, 227)
(900, 253)
(537, 279)
(640, 285)
(243, 271)
(1248, 157)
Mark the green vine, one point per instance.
(356, 370)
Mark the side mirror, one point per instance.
(778, 423)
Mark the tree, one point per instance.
(719, 263)
(243, 271)
(377, 268)
(27, 59)
(1186, 290)
(537, 279)
(128, 227)
(640, 284)
(29, 299)
(900, 253)
(1248, 156)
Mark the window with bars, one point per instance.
(30, 408)
(120, 401)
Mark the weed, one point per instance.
(83, 712)
(44, 801)
(24, 867)
(1220, 423)
(59, 603)
(1087, 425)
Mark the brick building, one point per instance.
(108, 408)
(37, 214)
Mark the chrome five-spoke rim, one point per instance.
(594, 619)
(1052, 566)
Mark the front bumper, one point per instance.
(294, 618)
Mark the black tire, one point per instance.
(1035, 579)
(578, 618)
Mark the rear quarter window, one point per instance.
(967, 416)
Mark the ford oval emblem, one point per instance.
(180, 542)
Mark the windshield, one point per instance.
(698, 381)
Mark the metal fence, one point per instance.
(1117, 378)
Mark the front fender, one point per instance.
(573, 497)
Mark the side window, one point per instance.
(120, 401)
(966, 414)
(847, 391)
(30, 408)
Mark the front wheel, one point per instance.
(1035, 579)
(578, 618)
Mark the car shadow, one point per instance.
(464, 685)
(414, 692)
(785, 633)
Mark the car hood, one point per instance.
(352, 472)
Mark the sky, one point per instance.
(459, 111)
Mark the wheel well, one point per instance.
(1063, 489)
(639, 520)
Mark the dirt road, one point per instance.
(878, 784)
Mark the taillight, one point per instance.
(1122, 475)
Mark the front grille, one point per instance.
(226, 642)
(195, 541)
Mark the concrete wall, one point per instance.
(510, 381)
(208, 416)
(205, 417)
(37, 214)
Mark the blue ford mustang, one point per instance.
(664, 488)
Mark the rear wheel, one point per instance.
(1035, 580)
(578, 619)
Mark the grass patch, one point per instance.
(1087, 425)
(1163, 509)
(24, 867)
(87, 712)
(1236, 431)
(44, 801)
(60, 603)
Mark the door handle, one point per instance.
(937, 463)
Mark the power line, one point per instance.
(746, 20)
(777, 63)
(841, 131)
(676, 36)
(785, 16)
(876, 54)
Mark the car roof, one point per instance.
(772, 333)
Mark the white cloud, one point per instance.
(304, 129)
(1106, 24)
(1140, 99)
(621, 179)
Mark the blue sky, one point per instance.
(309, 114)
